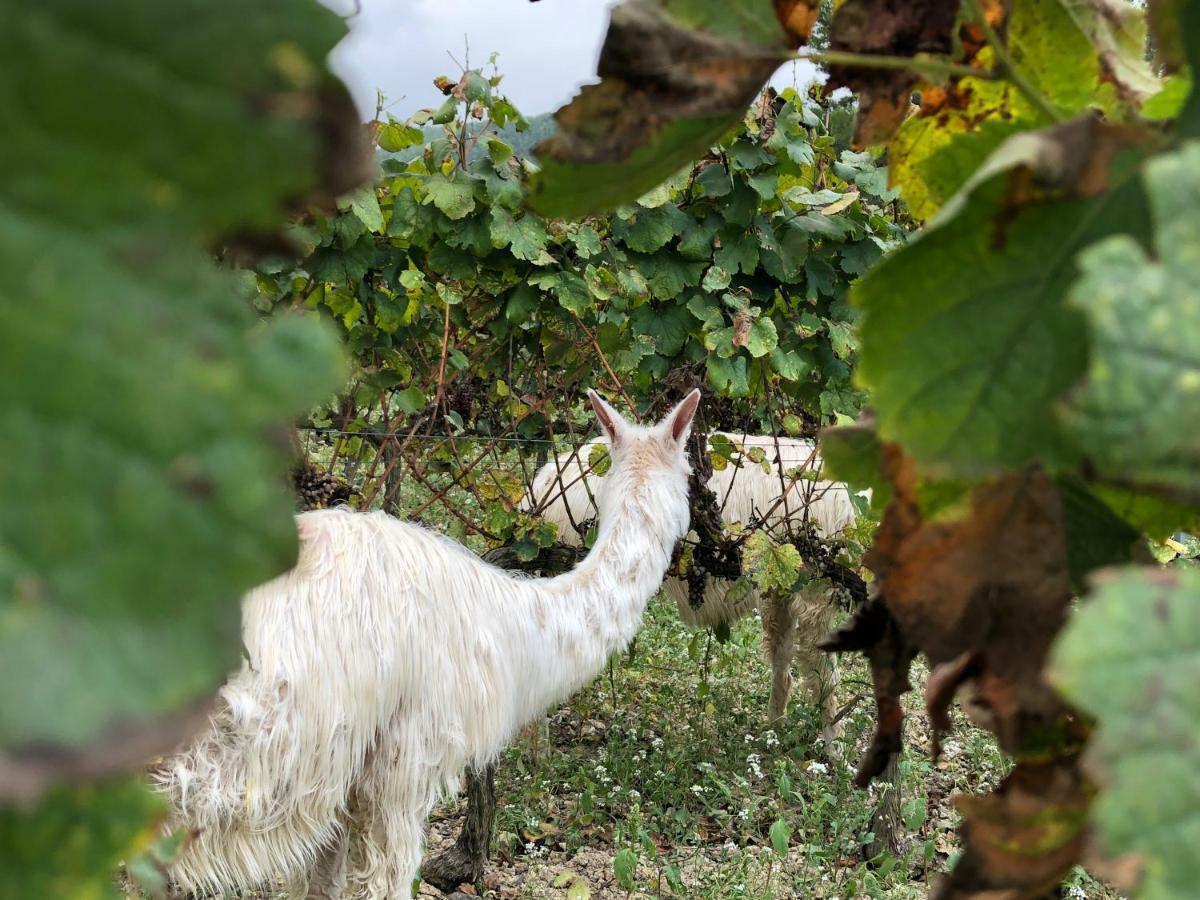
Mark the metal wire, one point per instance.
(498, 440)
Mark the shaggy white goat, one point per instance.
(562, 491)
(390, 658)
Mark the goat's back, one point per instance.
(564, 492)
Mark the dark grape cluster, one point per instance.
(820, 557)
(317, 489)
(461, 396)
(697, 578)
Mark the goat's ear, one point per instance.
(610, 420)
(679, 420)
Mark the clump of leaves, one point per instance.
(145, 415)
(476, 320)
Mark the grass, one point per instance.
(663, 779)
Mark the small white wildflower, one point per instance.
(749, 739)
(817, 768)
(697, 789)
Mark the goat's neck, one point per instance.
(584, 616)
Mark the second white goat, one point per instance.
(563, 490)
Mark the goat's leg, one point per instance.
(385, 847)
(779, 639)
(327, 876)
(820, 674)
(390, 805)
(813, 609)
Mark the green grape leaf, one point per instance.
(661, 101)
(1131, 657)
(967, 342)
(854, 454)
(475, 86)
(713, 181)
(68, 848)
(667, 274)
(501, 188)
(599, 461)
(365, 206)
(790, 365)
(746, 155)
(1096, 535)
(571, 290)
(715, 280)
(395, 137)
(647, 230)
(729, 375)
(668, 325)
(586, 240)
(526, 236)
(454, 196)
(1138, 414)
(738, 251)
(445, 113)
(1078, 55)
(774, 568)
(762, 337)
(128, 581)
(132, 381)
(477, 231)
(215, 129)
(697, 239)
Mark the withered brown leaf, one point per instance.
(891, 28)
(994, 584)
(1022, 837)
(671, 82)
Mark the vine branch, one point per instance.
(925, 65)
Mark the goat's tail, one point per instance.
(245, 828)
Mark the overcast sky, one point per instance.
(547, 49)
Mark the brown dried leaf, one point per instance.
(674, 76)
(889, 28)
(983, 596)
(1023, 837)
(741, 329)
(995, 584)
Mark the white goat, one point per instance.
(562, 491)
(390, 658)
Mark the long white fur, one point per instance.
(388, 659)
(563, 488)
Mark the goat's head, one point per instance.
(649, 463)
